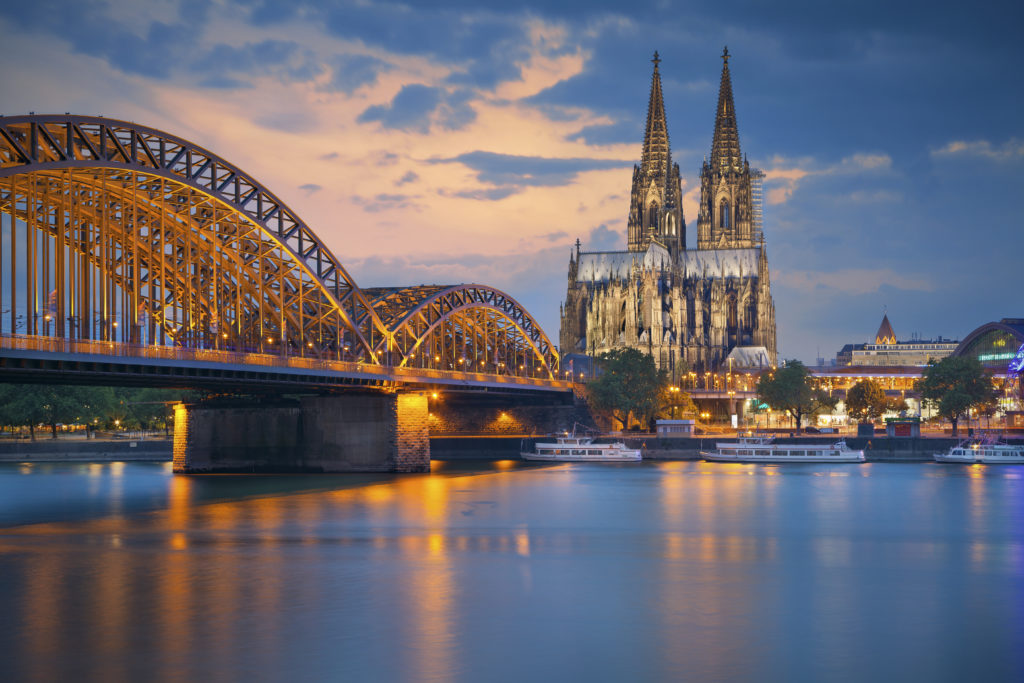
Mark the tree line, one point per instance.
(629, 388)
(27, 406)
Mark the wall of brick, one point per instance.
(345, 433)
(412, 433)
(449, 418)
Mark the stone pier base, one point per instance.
(346, 433)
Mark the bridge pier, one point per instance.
(343, 433)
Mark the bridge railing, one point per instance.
(108, 349)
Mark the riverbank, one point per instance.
(876, 449)
(81, 450)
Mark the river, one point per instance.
(502, 571)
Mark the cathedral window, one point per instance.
(724, 216)
(652, 216)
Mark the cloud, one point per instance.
(620, 132)
(783, 176)
(284, 59)
(409, 177)
(416, 107)
(350, 72)
(489, 194)
(853, 280)
(519, 171)
(1011, 149)
(384, 202)
(603, 238)
(311, 187)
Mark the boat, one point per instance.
(763, 449)
(580, 448)
(985, 450)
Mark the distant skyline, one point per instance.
(457, 141)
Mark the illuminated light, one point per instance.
(225, 335)
(437, 358)
(434, 395)
(115, 323)
(270, 340)
(309, 344)
(996, 356)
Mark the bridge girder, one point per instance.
(126, 226)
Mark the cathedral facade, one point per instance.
(691, 309)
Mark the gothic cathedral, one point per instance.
(691, 309)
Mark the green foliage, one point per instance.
(676, 403)
(629, 384)
(31, 405)
(954, 385)
(866, 400)
(790, 388)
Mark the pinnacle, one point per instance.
(725, 147)
(655, 157)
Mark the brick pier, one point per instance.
(345, 433)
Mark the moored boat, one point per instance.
(573, 448)
(763, 449)
(986, 450)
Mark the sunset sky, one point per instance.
(445, 142)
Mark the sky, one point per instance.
(457, 141)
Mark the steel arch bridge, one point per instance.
(126, 240)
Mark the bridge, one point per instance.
(132, 256)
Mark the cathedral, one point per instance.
(691, 309)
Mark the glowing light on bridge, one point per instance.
(114, 232)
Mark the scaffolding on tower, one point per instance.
(757, 204)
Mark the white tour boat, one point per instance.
(987, 451)
(762, 449)
(573, 448)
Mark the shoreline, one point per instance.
(461, 447)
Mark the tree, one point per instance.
(791, 388)
(954, 385)
(674, 401)
(866, 400)
(628, 385)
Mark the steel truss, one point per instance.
(472, 328)
(117, 232)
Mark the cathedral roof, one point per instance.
(656, 158)
(618, 265)
(725, 146)
(885, 334)
(721, 262)
(744, 357)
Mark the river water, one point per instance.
(512, 572)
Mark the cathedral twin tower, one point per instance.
(691, 309)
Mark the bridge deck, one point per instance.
(32, 359)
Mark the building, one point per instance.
(999, 347)
(688, 308)
(886, 351)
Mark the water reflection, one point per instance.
(673, 570)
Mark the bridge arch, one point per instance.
(117, 232)
(132, 234)
(467, 327)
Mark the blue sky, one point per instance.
(475, 141)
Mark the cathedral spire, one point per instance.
(655, 156)
(725, 147)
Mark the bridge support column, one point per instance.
(346, 433)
